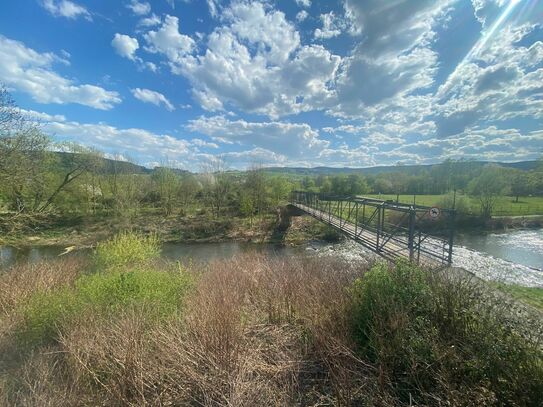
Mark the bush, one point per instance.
(438, 339)
(126, 248)
(461, 204)
(161, 292)
(331, 235)
(129, 280)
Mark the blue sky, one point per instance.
(285, 83)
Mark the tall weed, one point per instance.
(125, 249)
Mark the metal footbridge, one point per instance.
(394, 230)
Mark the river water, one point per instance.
(510, 257)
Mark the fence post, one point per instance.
(411, 237)
(356, 220)
(378, 228)
(452, 225)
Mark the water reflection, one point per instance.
(200, 252)
(512, 257)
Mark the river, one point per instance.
(512, 257)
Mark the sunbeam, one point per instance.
(486, 36)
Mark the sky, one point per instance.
(308, 83)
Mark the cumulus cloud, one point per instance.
(151, 96)
(301, 16)
(146, 147)
(291, 140)
(139, 8)
(501, 83)
(66, 8)
(392, 27)
(168, 41)
(150, 21)
(142, 145)
(255, 62)
(125, 46)
(382, 96)
(332, 26)
(304, 3)
(394, 51)
(32, 72)
(202, 143)
(213, 6)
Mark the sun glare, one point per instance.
(487, 35)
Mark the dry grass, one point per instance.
(253, 331)
(21, 281)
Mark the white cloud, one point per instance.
(502, 83)
(394, 57)
(332, 26)
(488, 144)
(286, 139)
(213, 6)
(142, 145)
(301, 16)
(125, 46)
(244, 159)
(393, 27)
(31, 72)
(263, 28)
(150, 66)
(303, 3)
(255, 62)
(139, 8)
(42, 116)
(168, 41)
(66, 8)
(202, 143)
(150, 96)
(145, 147)
(150, 21)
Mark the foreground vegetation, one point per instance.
(125, 328)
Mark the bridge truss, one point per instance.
(391, 229)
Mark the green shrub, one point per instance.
(160, 292)
(461, 203)
(329, 234)
(433, 339)
(126, 248)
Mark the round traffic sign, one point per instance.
(434, 212)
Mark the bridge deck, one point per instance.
(389, 247)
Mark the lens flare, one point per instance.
(486, 36)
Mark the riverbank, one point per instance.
(86, 231)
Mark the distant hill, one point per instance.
(409, 169)
(126, 167)
(110, 166)
(122, 167)
(177, 171)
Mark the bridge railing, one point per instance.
(392, 229)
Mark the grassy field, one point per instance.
(530, 295)
(505, 205)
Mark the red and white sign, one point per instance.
(434, 212)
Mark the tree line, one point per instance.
(451, 175)
(39, 176)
